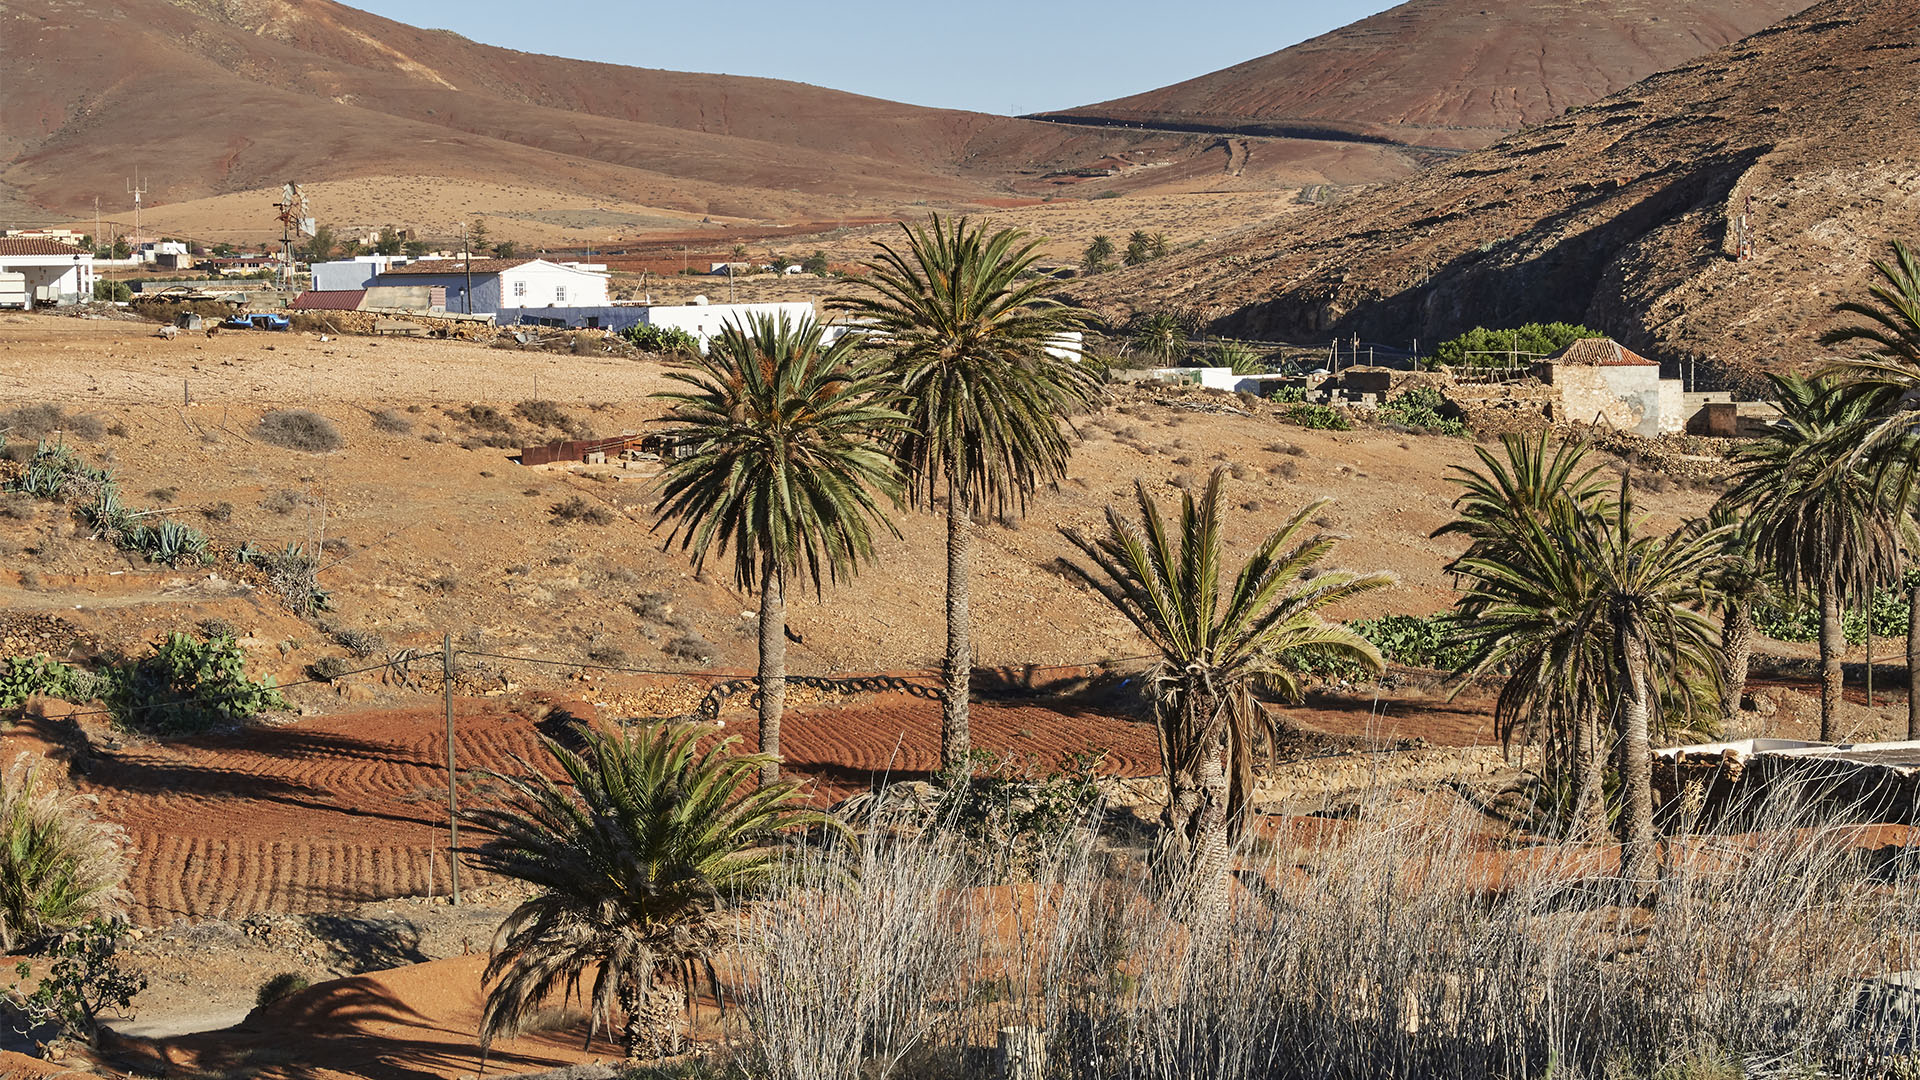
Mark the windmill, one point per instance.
(293, 218)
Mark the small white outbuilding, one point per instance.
(40, 273)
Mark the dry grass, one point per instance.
(59, 865)
(1400, 947)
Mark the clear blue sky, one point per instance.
(1004, 56)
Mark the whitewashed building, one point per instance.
(505, 288)
(39, 273)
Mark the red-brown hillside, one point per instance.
(213, 96)
(1448, 73)
(1625, 215)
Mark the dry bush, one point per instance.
(576, 508)
(282, 502)
(389, 422)
(543, 413)
(689, 646)
(1285, 470)
(59, 865)
(41, 419)
(1403, 943)
(299, 429)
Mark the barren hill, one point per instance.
(219, 96)
(1445, 73)
(1625, 215)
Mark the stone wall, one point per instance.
(361, 322)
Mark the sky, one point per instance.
(1004, 56)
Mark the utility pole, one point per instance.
(466, 248)
(453, 796)
(135, 188)
(96, 224)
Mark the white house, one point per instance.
(704, 321)
(35, 272)
(355, 273)
(503, 287)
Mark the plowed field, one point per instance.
(332, 810)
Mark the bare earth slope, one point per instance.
(214, 96)
(1624, 215)
(1447, 73)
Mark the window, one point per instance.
(519, 288)
(559, 294)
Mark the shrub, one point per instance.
(1427, 641)
(282, 985)
(579, 509)
(282, 502)
(1496, 346)
(86, 981)
(219, 513)
(59, 865)
(361, 643)
(689, 646)
(329, 668)
(1424, 408)
(548, 414)
(1318, 417)
(55, 471)
(21, 677)
(663, 340)
(40, 420)
(188, 686)
(299, 429)
(389, 422)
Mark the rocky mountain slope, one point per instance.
(1446, 73)
(1716, 211)
(214, 96)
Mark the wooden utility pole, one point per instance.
(453, 795)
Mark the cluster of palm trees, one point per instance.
(1601, 632)
(800, 446)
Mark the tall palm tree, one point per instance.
(1643, 589)
(969, 328)
(634, 857)
(1823, 520)
(1513, 618)
(790, 453)
(1215, 649)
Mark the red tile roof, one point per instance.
(330, 300)
(444, 267)
(1600, 352)
(25, 245)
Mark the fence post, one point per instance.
(453, 796)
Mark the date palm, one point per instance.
(790, 457)
(1887, 372)
(1216, 647)
(1737, 584)
(634, 858)
(1642, 591)
(1823, 520)
(968, 329)
(1514, 611)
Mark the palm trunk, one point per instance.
(1194, 845)
(1913, 663)
(773, 665)
(958, 668)
(1833, 644)
(1638, 863)
(1736, 651)
(1590, 799)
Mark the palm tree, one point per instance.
(1513, 617)
(1888, 372)
(633, 856)
(790, 452)
(1736, 585)
(1822, 520)
(1161, 335)
(1643, 587)
(969, 331)
(1215, 649)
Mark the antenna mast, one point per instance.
(136, 187)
